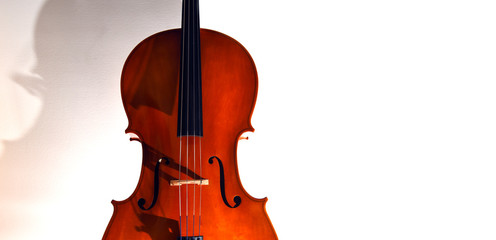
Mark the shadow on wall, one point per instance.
(80, 47)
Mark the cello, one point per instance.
(189, 94)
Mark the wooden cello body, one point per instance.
(189, 187)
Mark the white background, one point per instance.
(374, 119)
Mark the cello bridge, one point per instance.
(189, 182)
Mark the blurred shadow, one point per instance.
(80, 48)
(158, 228)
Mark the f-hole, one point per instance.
(236, 199)
(142, 201)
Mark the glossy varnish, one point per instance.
(150, 89)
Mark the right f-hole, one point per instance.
(236, 199)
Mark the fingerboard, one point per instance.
(190, 119)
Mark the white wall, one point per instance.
(374, 120)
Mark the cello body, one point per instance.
(213, 205)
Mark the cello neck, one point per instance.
(190, 117)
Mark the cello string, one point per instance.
(199, 73)
(187, 174)
(181, 114)
(200, 204)
(190, 77)
(197, 62)
(194, 185)
(196, 67)
(194, 114)
(179, 187)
